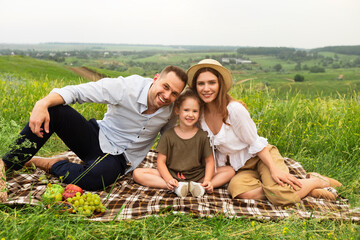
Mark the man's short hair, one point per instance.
(178, 71)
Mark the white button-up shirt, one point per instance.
(239, 140)
(124, 129)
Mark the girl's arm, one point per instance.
(278, 175)
(164, 172)
(209, 172)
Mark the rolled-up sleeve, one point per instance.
(106, 90)
(245, 128)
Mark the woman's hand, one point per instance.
(172, 183)
(208, 186)
(283, 178)
(278, 175)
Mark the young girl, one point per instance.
(185, 161)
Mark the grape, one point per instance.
(87, 204)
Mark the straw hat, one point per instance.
(211, 63)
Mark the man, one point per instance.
(137, 109)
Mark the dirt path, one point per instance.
(289, 79)
(244, 80)
(87, 73)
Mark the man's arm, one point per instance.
(40, 113)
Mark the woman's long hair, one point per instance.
(223, 98)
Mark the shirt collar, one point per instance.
(142, 99)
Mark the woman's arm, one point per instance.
(278, 175)
(164, 172)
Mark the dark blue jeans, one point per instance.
(82, 137)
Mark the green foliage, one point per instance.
(277, 67)
(35, 222)
(265, 50)
(299, 78)
(26, 67)
(316, 69)
(351, 50)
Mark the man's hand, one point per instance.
(283, 178)
(39, 115)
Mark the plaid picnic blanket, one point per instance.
(127, 200)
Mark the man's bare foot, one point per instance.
(44, 163)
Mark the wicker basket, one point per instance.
(3, 190)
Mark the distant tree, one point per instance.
(336, 65)
(316, 69)
(357, 61)
(298, 66)
(277, 67)
(299, 78)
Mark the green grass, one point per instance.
(315, 84)
(321, 132)
(37, 223)
(27, 67)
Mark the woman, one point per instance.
(260, 169)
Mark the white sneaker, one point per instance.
(182, 189)
(196, 189)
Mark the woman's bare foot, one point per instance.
(327, 182)
(322, 193)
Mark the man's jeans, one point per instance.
(82, 137)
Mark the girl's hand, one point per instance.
(208, 186)
(283, 178)
(172, 183)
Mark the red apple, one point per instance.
(71, 190)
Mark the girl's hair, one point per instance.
(223, 98)
(187, 93)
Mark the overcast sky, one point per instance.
(275, 23)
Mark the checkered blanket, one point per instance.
(127, 200)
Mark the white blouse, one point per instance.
(239, 140)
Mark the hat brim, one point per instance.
(223, 71)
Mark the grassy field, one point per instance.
(320, 129)
(315, 84)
